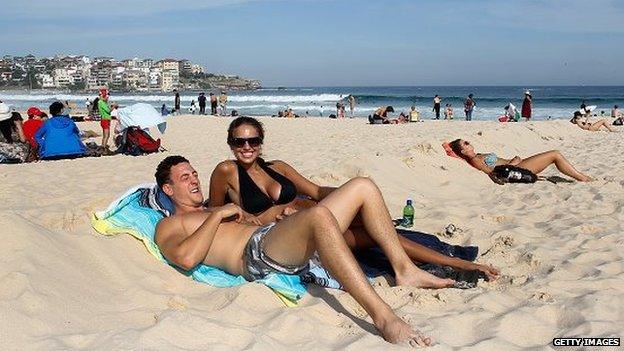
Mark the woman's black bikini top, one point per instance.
(253, 199)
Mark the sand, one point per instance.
(560, 247)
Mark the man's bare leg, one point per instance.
(293, 240)
(361, 195)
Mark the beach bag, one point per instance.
(513, 174)
(136, 141)
(618, 122)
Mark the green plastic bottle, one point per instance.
(408, 214)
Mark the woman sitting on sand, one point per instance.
(536, 163)
(267, 191)
(592, 127)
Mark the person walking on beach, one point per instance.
(213, 104)
(223, 100)
(201, 100)
(469, 106)
(351, 104)
(527, 105)
(437, 101)
(105, 122)
(176, 102)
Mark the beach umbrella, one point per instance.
(142, 115)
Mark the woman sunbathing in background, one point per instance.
(536, 163)
(586, 125)
(267, 192)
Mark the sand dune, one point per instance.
(560, 247)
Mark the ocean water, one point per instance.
(548, 101)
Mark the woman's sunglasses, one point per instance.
(240, 142)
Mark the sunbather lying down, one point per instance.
(592, 127)
(536, 163)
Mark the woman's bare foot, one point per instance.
(396, 331)
(418, 278)
(586, 179)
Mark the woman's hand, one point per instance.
(491, 272)
(230, 210)
(496, 180)
(249, 218)
(286, 212)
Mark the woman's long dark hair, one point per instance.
(242, 121)
(455, 145)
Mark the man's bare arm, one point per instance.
(187, 252)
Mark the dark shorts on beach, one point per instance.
(258, 264)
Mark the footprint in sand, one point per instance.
(500, 245)
(178, 303)
(529, 258)
(589, 229)
(423, 148)
(543, 297)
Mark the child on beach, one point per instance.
(448, 111)
(414, 114)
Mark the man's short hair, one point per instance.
(56, 108)
(163, 171)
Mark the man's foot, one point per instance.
(396, 331)
(421, 279)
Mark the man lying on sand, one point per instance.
(217, 237)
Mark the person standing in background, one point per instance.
(527, 105)
(201, 99)
(469, 106)
(437, 101)
(213, 104)
(223, 99)
(176, 102)
(105, 122)
(351, 105)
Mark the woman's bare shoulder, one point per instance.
(225, 167)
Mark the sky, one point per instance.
(339, 42)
